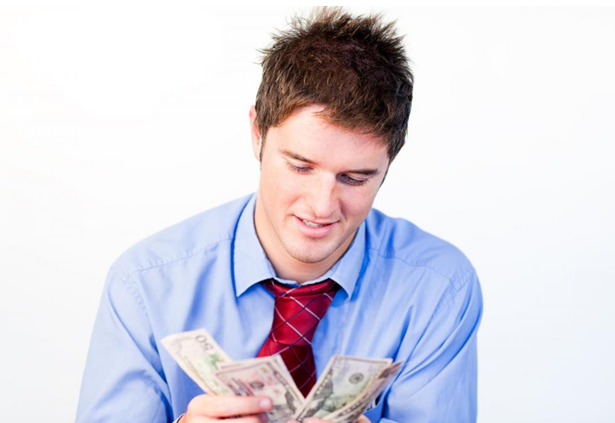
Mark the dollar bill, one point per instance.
(199, 355)
(276, 358)
(351, 412)
(228, 365)
(342, 381)
(341, 395)
(265, 376)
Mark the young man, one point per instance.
(330, 116)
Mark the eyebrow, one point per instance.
(366, 172)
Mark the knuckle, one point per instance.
(200, 405)
(251, 419)
(225, 406)
(201, 400)
(220, 407)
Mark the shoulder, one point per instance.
(402, 241)
(182, 240)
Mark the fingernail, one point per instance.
(265, 403)
(264, 418)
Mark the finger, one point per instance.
(249, 419)
(228, 406)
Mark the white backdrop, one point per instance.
(117, 121)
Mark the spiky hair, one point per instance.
(354, 66)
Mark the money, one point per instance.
(198, 354)
(267, 377)
(351, 412)
(341, 395)
(277, 358)
(343, 380)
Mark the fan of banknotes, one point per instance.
(345, 390)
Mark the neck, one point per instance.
(298, 275)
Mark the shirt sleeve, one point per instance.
(438, 380)
(123, 379)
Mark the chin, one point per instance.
(309, 256)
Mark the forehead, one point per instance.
(309, 135)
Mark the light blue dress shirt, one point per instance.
(405, 294)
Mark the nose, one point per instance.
(324, 197)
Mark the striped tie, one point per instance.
(296, 314)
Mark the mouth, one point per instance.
(313, 224)
(315, 229)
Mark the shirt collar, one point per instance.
(251, 265)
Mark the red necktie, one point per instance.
(296, 314)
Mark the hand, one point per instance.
(362, 419)
(231, 409)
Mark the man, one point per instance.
(330, 116)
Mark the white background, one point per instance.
(117, 121)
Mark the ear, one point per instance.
(257, 141)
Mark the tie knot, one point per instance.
(298, 310)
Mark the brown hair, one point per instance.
(355, 66)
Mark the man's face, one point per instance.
(318, 183)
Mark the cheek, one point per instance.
(357, 203)
(283, 187)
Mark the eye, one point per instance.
(298, 169)
(352, 181)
